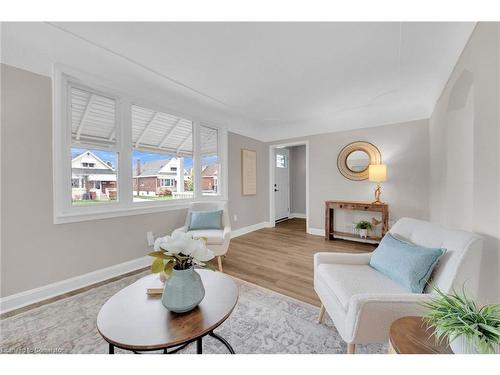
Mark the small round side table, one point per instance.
(411, 335)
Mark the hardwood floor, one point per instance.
(281, 258)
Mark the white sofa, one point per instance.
(217, 239)
(363, 303)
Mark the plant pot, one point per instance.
(183, 291)
(363, 233)
(462, 345)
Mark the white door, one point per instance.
(281, 182)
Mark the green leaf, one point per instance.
(168, 268)
(160, 254)
(157, 265)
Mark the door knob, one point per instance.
(275, 190)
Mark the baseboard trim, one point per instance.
(316, 231)
(250, 228)
(28, 297)
(297, 216)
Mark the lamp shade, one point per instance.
(377, 172)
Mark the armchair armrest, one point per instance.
(369, 316)
(227, 233)
(341, 258)
(181, 229)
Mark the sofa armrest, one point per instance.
(341, 258)
(369, 316)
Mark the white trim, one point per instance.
(250, 228)
(28, 297)
(110, 212)
(297, 216)
(316, 232)
(272, 218)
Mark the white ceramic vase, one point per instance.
(363, 233)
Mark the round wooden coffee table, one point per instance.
(132, 320)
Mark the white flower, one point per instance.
(184, 243)
(157, 244)
(202, 253)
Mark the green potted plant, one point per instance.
(470, 329)
(176, 257)
(362, 228)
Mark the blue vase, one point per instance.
(183, 291)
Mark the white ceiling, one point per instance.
(267, 80)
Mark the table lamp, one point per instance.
(377, 173)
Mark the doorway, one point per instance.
(281, 184)
(289, 182)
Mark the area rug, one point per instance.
(262, 322)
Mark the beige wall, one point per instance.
(405, 150)
(252, 209)
(36, 252)
(298, 179)
(465, 151)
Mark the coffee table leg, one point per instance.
(199, 346)
(222, 340)
(111, 349)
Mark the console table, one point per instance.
(330, 206)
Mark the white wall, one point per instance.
(465, 151)
(405, 150)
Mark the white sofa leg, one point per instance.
(219, 260)
(351, 348)
(321, 314)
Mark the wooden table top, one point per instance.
(133, 320)
(410, 335)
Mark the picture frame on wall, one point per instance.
(248, 172)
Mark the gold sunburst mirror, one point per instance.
(354, 159)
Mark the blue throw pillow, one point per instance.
(407, 264)
(205, 220)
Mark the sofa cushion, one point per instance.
(407, 264)
(347, 280)
(213, 236)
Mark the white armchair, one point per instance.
(363, 302)
(217, 239)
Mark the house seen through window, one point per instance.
(93, 148)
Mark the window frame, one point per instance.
(220, 151)
(64, 212)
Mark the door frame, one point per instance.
(272, 147)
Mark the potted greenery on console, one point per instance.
(176, 256)
(469, 328)
(362, 228)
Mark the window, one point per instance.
(93, 145)
(113, 157)
(167, 182)
(210, 160)
(280, 161)
(162, 156)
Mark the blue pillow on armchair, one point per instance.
(205, 220)
(407, 264)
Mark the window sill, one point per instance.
(138, 208)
